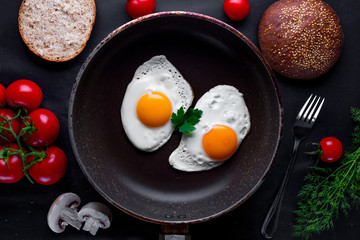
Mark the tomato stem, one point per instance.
(29, 128)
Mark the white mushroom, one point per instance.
(96, 215)
(63, 212)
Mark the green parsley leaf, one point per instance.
(186, 122)
(178, 118)
(193, 116)
(186, 128)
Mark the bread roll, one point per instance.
(300, 39)
(56, 30)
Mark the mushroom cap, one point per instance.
(65, 200)
(97, 211)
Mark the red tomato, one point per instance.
(15, 125)
(51, 169)
(236, 10)
(138, 8)
(47, 128)
(331, 149)
(13, 170)
(2, 95)
(24, 93)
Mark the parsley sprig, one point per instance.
(186, 122)
(330, 191)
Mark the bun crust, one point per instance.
(56, 30)
(300, 39)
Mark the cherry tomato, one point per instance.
(51, 168)
(47, 128)
(236, 10)
(13, 170)
(24, 93)
(15, 125)
(138, 8)
(2, 95)
(331, 149)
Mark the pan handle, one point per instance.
(175, 232)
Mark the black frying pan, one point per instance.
(207, 52)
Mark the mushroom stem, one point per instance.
(95, 215)
(70, 216)
(91, 225)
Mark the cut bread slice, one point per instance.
(56, 30)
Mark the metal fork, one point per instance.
(301, 129)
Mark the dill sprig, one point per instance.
(330, 191)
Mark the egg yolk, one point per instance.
(154, 109)
(220, 142)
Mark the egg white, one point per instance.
(223, 105)
(156, 74)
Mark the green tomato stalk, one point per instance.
(30, 152)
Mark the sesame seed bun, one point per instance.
(56, 30)
(300, 39)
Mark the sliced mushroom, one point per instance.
(63, 212)
(95, 215)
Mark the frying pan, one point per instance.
(207, 52)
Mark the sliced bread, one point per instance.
(56, 30)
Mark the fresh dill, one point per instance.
(330, 191)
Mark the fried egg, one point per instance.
(224, 124)
(155, 92)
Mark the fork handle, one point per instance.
(272, 217)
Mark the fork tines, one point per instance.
(310, 111)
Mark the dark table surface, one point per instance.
(24, 206)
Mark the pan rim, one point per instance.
(184, 14)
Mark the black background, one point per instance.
(24, 206)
